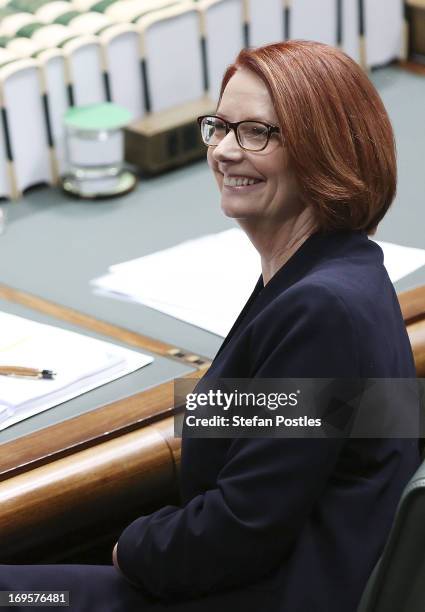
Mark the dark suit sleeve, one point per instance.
(238, 531)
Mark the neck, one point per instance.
(277, 245)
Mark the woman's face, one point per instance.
(274, 196)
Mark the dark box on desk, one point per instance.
(167, 139)
(416, 17)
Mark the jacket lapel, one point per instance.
(317, 248)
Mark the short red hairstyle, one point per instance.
(334, 127)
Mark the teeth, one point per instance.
(232, 181)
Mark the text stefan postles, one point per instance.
(224, 400)
(255, 421)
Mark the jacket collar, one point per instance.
(315, 250)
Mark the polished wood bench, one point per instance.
(413, 308)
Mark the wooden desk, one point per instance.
(100, 424)
(55, 481)
(413, 308)
(415, 13)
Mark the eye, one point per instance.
(212, 130)
(219, 125)
(253, 130)
(257, 130)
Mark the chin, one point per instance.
(237, 210)
(234, 212)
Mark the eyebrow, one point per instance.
(260, 119)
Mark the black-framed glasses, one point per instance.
(250, 135)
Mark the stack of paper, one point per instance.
(81, 363)
(206, 281)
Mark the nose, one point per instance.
(228, 149)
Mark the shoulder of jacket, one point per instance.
(315, 293)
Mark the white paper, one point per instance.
(224, 268)
(401, 260)
(81, 363)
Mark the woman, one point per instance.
(303, 153)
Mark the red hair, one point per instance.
(334, 128)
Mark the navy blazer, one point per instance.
(291, 525)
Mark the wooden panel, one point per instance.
(71, 492)
(132, 413)
(101, 424)
(416, 23)
(108, 422)
(416, 3)
(416, 333)
(413, 67)
(64, 313)
(412, 304)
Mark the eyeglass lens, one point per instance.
(251, 135)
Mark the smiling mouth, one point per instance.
(240, 181)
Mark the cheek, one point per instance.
(278, 174)
(269, 164)
(287, 192)
(213, 167)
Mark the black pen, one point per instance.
(26, 372)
